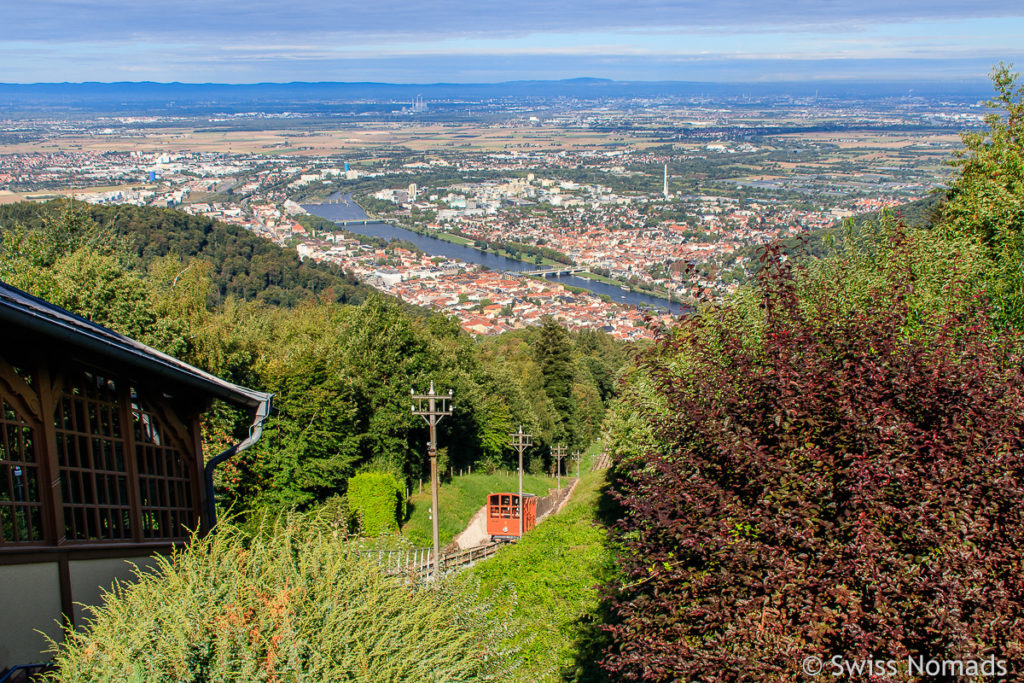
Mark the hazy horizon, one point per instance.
(792, 79)
(456, 41)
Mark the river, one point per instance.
(346, 209)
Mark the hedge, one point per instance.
(378, 500)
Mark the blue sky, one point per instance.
(405, 41)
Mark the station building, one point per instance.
(101, 464)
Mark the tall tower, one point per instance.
(664, 190)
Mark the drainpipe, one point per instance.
(255, 431)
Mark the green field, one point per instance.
(460, 499)
(448, 237)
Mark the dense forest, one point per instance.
(239, 263)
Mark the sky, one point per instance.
(477, 41)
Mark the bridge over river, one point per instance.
(344, 212)
(357, 221)
(566, 270)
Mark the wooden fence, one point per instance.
(602, 462)
(418, 563)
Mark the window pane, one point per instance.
(20, 509)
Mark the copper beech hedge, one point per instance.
(838, 481)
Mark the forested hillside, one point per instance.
(239, 263)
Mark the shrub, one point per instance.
(839, 483)
(378, 500)
(292, 603)
(335, 512)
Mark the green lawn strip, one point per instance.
(600, 278)
(547, 583)
(545, 262)
(460, 499)
(653, 291)
(448, 237)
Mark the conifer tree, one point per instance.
(554, 355)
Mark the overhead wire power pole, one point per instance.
(437, 407)
(576, 456)
(559, 453)
(521, 442)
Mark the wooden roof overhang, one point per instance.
(24, 313)
(32, 327)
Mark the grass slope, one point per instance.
(547, 584)
(459, 500)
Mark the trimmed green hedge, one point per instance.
(377, 498)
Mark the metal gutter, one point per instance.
(42, 666)
(255, 431)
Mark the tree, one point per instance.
(554, 356)
(986, 200)
(311, 446)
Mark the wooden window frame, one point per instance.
(181, 506)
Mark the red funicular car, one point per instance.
(503, 515)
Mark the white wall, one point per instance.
(29, 600)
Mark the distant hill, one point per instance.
(198, 98)
(244, 265)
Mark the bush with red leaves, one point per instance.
(844, 481)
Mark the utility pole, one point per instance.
(521, 442)
(437, 407)
(576, 456)
(559, 453)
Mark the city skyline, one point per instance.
(460, 42)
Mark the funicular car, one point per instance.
(503, 515)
